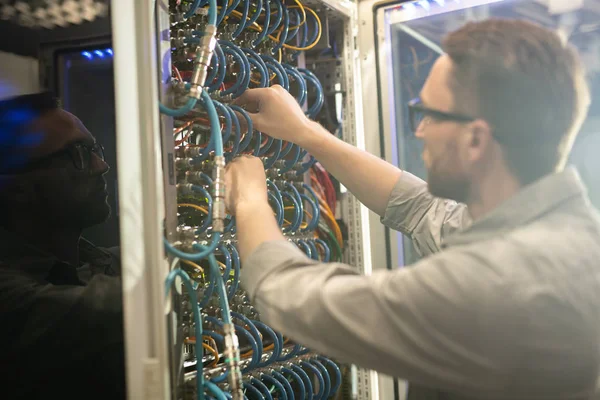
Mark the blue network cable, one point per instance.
(315, 371)
(249, 127)
(278, 17)
(326, 378)
(284, 32)
(187, 284)
(277, 384)
(297, 213)
(314, 222)
(262, 387)
(286, 384)
(289, 164)
(297, 379)
(305, 379)
(313, 249)
(251, 389)
(338, 374)
(307, 250)
(269, 162)
(235, 256)
(315, 108)
(302, 92)
(267, 20)
(315, 202)
(276, 345)
(208, 218)
(237, 137)
(243, 21)
(326, 250)
(278, 208)
(220, 72)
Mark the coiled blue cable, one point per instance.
(227, 116)
(187, 284)
(315, 371)
(254, 332)
(277, 384)
(315, 200)
(243, 21)
(315, 108)
(256, 15)
(178, 112)
(262, 387)
(264, 75)
(305, 379)
(267, 20)
(326, 378)
(286, 384)
(306, 166)
(215, 390)
(213, 84)
(326, 250)
(244, 70)
(265, 149)
(246, 334)
(314, 221)
(289, 164)
(297, 213)
(286, 149)
(284, 31)
(276, 345)
(313, 249)
(297, 380)
(251, 389)
(302, 92)
(208, 217)
(269, 162)
(289, 186)
(227, 257)
(278, 18)
(237, 135)
(278, 209)
(270, 60)
(277, 72)
(338, 374)
(204, 252)
(215, 335)
(235, 255)
(249, 127)
(292, 32)
(307, 250)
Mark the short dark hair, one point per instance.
(527, 83)
(17, 114)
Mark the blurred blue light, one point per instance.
(97, 54)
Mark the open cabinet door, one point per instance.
(400, 40)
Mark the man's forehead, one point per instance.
(437, 91)
(59, 128)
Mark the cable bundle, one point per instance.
(234, 354)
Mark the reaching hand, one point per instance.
(245, 183)
(276, 113)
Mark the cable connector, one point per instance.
(232, 360)
(219, 194)
(204, 56)
(185, 188)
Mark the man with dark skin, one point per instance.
(60, 297)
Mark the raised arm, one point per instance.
(278, 114)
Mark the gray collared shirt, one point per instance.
(510, 309)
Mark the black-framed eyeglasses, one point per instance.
(417, 112)
(80, 154)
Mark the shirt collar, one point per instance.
(16, 253)
(529, 204)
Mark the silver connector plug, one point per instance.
(232, 360)
(204, 55)
(219, 194)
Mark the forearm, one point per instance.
(368, 177)
(255, 224)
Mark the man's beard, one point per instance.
(445, 180)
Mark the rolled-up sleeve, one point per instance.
(427, 324)
(425, 219)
